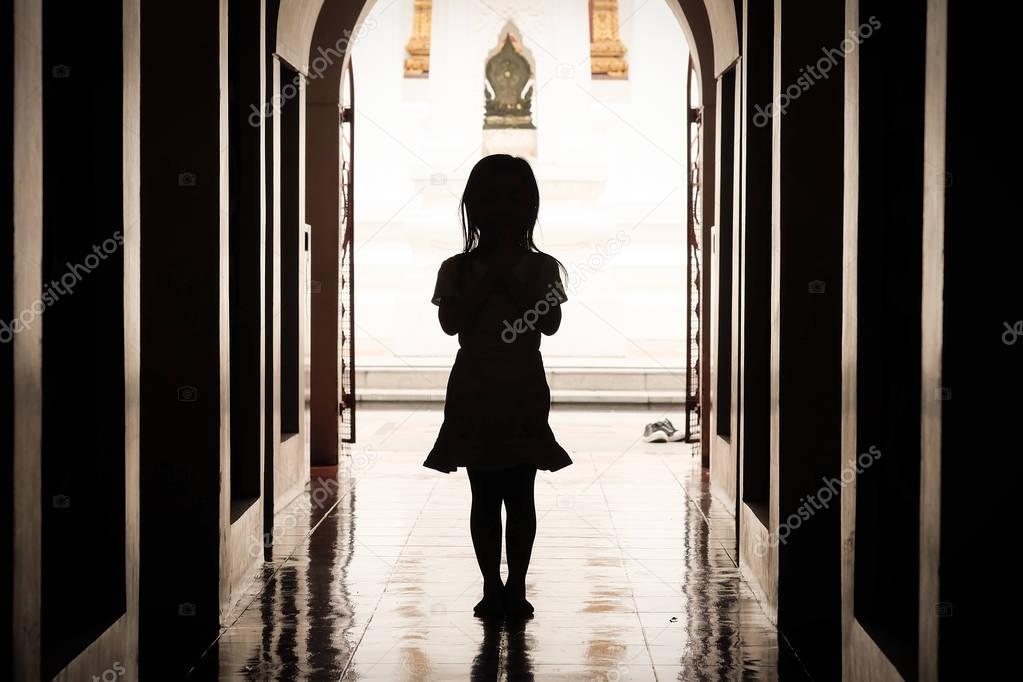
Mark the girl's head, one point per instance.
(500, 203)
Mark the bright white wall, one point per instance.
(610, 162)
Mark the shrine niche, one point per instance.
(508, 89)
(607, 52)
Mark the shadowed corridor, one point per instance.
(633, 572)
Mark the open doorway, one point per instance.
(598, 118)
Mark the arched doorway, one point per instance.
(320, 36)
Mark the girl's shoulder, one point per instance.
(454, 268)
(545, 261)
(452, 261)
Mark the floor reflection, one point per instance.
(373, 577)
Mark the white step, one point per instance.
(568, 385)
(564, 396)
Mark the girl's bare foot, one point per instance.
(515, 603)
(492, 604)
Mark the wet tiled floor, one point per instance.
(632, 575)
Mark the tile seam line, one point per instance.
(632, 592)
(369, 623)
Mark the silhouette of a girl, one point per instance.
(499, 295)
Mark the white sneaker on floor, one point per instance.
(658, 432)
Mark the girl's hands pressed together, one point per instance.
(498, 212)
(490, 271)
(528, 290)
(482, 276)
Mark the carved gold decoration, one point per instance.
(607, 52)
(417, 65)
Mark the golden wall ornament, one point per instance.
(417, 65)
(607, 52)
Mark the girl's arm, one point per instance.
(457, 313)
(532, 295)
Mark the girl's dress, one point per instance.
(498, 400)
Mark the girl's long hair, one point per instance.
(483, 176)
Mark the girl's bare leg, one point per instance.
(521, 507)
(485, 528)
